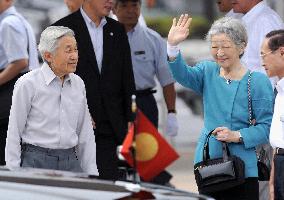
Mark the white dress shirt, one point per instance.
(259, 21)
(50, 114)
(96, 34)
(232, 14)
(277, 126)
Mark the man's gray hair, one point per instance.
(49, 38)
(233, 28)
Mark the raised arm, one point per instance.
(178, 32)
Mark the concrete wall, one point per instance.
(278, 6)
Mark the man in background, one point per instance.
(225, 6)
(73, 5)
(105, 67)
(18, 54)
(149, 59)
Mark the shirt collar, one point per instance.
(254, 11)
(136, 29)
(89, 21)
(229, 13)
(9, 11)
(280, 86)
(49, 75)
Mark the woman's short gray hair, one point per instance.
(49, 38)
(233, 28)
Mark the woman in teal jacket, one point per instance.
(223, 83)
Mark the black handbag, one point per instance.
(263, 163)
(218, 174)
(263, 171)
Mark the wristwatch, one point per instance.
(240, 138)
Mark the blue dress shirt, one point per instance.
(17, 40)
(149, 58)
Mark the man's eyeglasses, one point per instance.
(262, 55)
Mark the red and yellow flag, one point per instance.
(153, 152)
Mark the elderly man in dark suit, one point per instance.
(105, 66)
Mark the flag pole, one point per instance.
(133, 148)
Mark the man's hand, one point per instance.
(93, 123)
(129, 124)
(12, 70)
(271, 180)
(172, 125)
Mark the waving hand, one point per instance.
(179, 30)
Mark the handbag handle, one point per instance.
(251, 120)
(249, 100)
(225, 149)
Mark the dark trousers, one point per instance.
(148, 105)
(106, 145)
(279, 177)
(3, 135)
(245, 191)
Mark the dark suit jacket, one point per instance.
(109, 92)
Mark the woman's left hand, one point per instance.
(224, 134)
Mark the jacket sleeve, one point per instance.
(190, 77)
(21, 104)
(128, 76)
(262, 109)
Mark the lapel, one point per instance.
(108, 45)
(85, 43)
